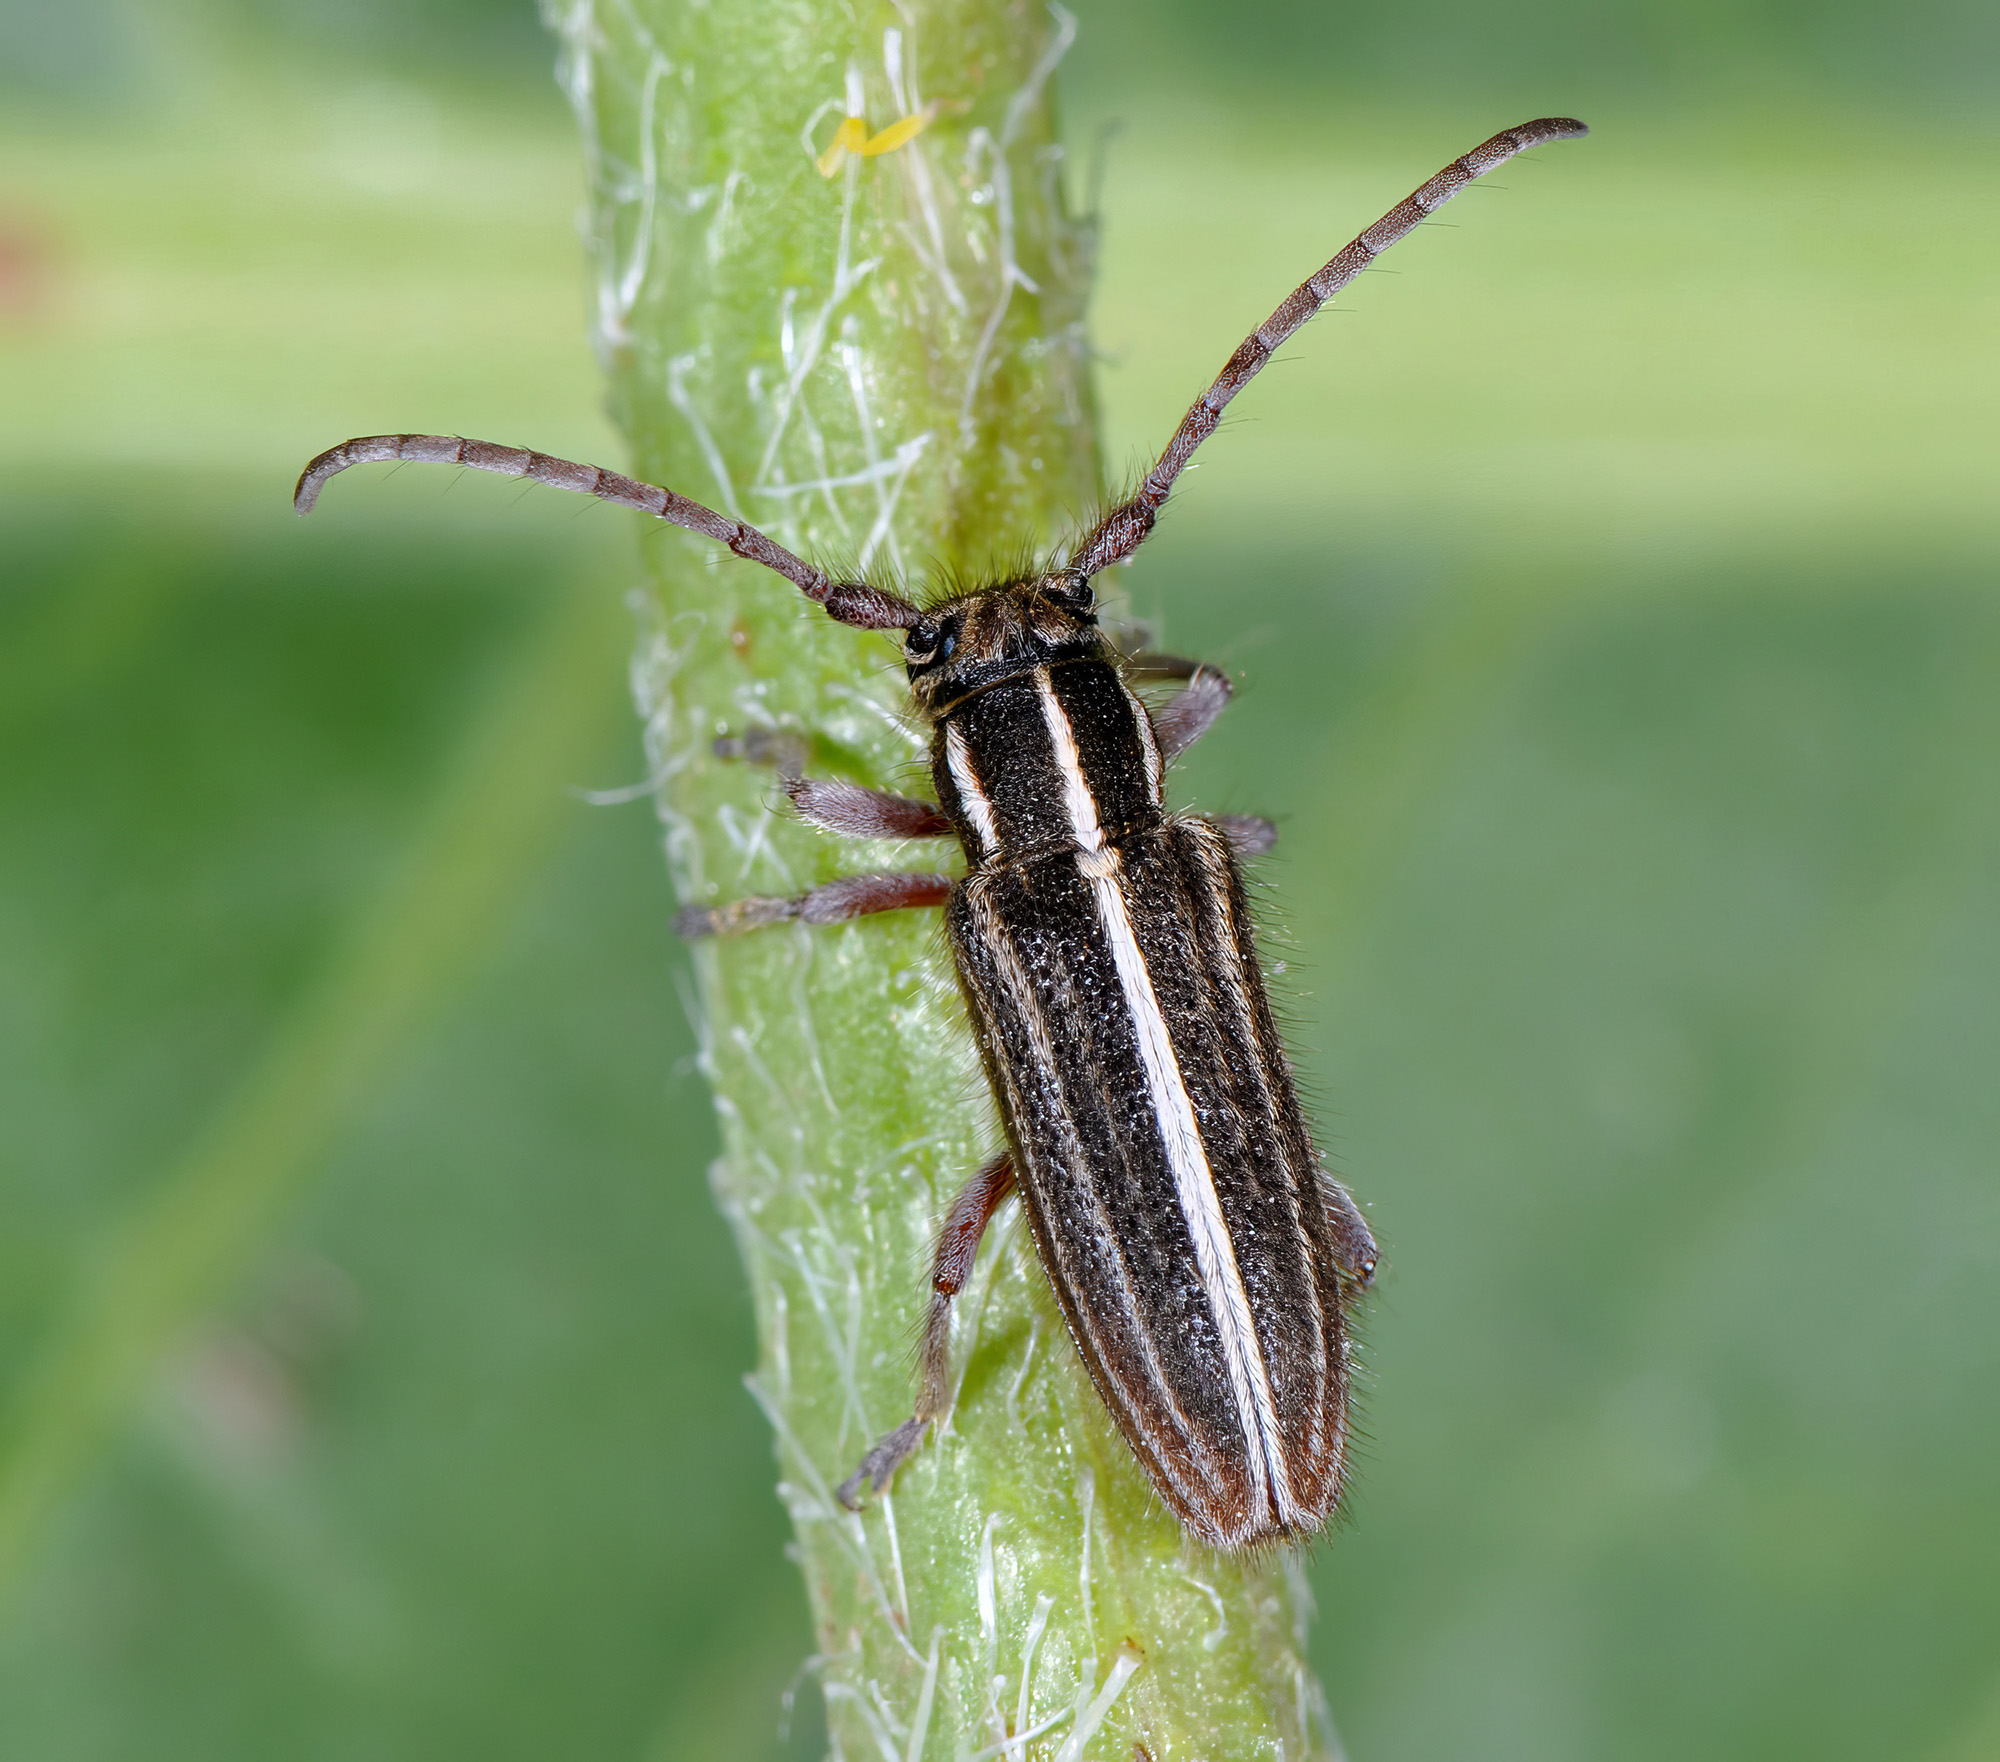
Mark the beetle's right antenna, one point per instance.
(1124, 529)
(848, 602)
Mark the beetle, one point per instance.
(1206, 1264)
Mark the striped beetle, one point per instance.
(1204, 1261)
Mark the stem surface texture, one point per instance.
(885, 369)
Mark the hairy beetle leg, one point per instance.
(1249, 835)
(958, 1243)
(1354, 1242)
(1185, 718)
(1192, 711)
(845, 808)
(853, 896)
(858, 812)
(849, 809)
(780, 748)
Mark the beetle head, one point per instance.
(976, 639)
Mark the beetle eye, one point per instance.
(926, 643)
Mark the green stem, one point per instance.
(885, 369)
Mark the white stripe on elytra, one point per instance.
(971, 798)
(1054, 1108)
(1180, 1137)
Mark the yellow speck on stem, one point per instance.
(853, 137)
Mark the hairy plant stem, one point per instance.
(885, 368)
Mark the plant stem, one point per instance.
(885, 368)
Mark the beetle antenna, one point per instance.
(847, 602)
(1124, 529)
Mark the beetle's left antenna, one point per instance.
(848, 602)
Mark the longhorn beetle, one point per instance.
(1205, 1262)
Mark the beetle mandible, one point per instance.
(1204, 1261)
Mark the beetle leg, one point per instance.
(783, 749)
(1192, 711)
(1145, 665)
(1353, 1241)
(1132, 639)
(845, 808)
(1184, 719)
(1249, 835)
(853, 896)
(858, 812)
(958, 1242)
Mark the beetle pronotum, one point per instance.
(1205, 1262)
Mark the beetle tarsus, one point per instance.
(1192, 711)
(1249, 835)
(780, 748)
(853, 896)
(957, 1243)
(882, 1461)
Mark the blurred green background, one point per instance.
(1611, 585)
